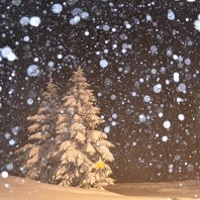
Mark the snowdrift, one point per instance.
(14, 188)
(180, 190)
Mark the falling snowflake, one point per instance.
(4, 174)
(167, 124)
(57, 8)
(35, 21)
(103, 63)
(33, 70)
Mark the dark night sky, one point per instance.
(144, 44)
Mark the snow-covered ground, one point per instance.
(172, 190)
(14, 188)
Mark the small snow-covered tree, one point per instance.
(81, 145)
(35, 157)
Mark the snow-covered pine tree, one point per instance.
(81, 144)
(36, 157)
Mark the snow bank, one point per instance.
(14, 188)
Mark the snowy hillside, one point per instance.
(14, 188)
(98, 92)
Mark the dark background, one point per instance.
(120, 88)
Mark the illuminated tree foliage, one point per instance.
(81, 145)
(35, 157)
